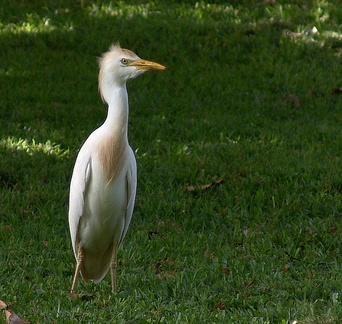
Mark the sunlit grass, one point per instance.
(31, 147)
(32, 23)
(122, 10)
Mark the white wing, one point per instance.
(79, 182)
(131, 181)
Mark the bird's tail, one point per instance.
(94, 267)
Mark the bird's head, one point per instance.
(119, 65)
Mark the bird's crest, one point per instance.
(113, 53)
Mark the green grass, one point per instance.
(241, 100)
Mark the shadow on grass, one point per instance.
(230, 66)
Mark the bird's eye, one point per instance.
(124, 61)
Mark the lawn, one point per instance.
(238, 145)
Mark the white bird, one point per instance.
(104, 180)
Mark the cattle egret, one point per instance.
(104, 180)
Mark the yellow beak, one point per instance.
(147, 65)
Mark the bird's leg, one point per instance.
(79, 259)
(113, 264)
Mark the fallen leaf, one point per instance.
(332, 230)
(206, 186)
(165, 269)
(291, 257)
(311, 273)
(151, 233)
(155, 312)
(249, 284)
(3, 305)
(13, 318)
(209, 185)
(165, 262)
(209, 255)
(81, 296)
(220, 305)
(293, 34)
(170, 225)
(292, 99)
(166, 275)
(336, 91)
(226, 271)
(333, 251)
(249, 32)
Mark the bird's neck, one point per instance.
(116, 122)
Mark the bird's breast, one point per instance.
(112, 155)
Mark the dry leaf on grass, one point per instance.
(226, 271)
(336, 91)
(165, 275)
(165, 269)
(172, 225)
(152, 233)
(293, 34)
(219, 305)
(209, 255)
(249, 32)
(3, 305)
(13, 318)
(291, 258)
(169, 225)
(292, 99)
(166, 262)
(249, 284)
(206, 186)
(81, 296)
